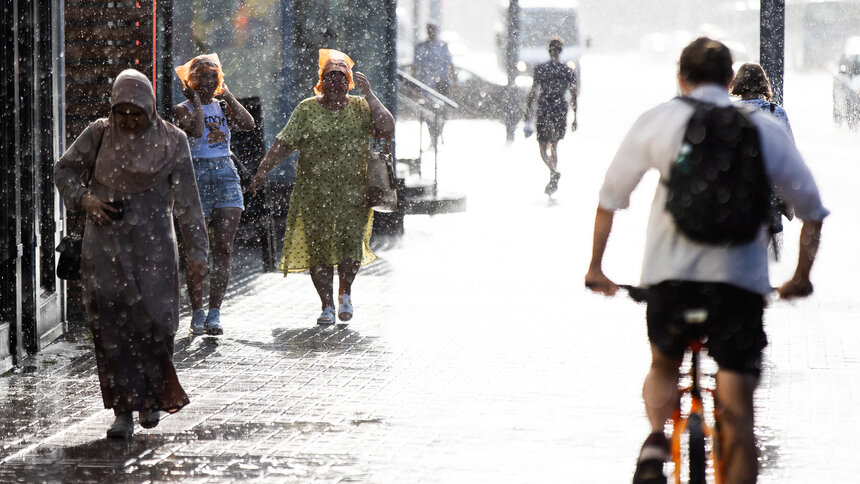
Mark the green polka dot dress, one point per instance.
(328, 220)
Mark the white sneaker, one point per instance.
(344, 312)
(327, 317)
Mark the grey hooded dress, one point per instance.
(130, 268)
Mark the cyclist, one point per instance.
(729, 281)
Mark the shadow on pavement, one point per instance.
(301, 342)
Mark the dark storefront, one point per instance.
(30, 73)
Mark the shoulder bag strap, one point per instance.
(88, 175)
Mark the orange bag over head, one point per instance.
(184, 71)
(334, 60)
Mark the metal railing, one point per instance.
(430, 106)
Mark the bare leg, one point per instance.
(346, 272)
(224, 223)
(549, 154)
(660, 390)
(553, 156)
(737, 438)
(323, 279)
(545, 156)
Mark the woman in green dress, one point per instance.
(329, 222)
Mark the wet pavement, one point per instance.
(474, 355)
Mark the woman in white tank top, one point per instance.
(207, 125)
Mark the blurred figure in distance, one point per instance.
(552, 79)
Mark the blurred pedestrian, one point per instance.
(552, 79)
(433, 65)
(329, 222)
(753, 87)
(140, 176)
(206, 117)
(725, 282)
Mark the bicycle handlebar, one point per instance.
(636, 293)
(640, 294)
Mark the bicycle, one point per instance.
(692, 421)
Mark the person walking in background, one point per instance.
(753, 87)
(141, 175)
(727, 281)
(433, 65)
(551, 79)
(207, 123)
(329, 222)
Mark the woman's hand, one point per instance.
(259, 181)
(97, 209)
(363, 84)
(191, 94)
(225, 93)
(383, 121)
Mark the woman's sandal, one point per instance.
(327, 317)
(344, 313)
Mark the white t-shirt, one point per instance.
(215, 142)
(654, 142)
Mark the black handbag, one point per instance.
(70, 246)
(69, 263)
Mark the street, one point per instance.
(475, 354)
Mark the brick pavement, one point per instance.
(424, 386)
(420, 388)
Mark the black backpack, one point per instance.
(718, 191)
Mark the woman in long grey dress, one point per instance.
(141, 174)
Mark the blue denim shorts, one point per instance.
(218, 184)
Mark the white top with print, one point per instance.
(215, 142)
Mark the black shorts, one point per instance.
(551, 126)
(733, 327)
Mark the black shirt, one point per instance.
(554, 78)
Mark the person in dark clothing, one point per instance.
(552, 79)
(129, 263)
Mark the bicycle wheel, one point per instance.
(697, 449)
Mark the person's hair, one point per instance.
(704, 61)
(556, 44)
(751, 81)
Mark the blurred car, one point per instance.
(846, 85)
(477, 97)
